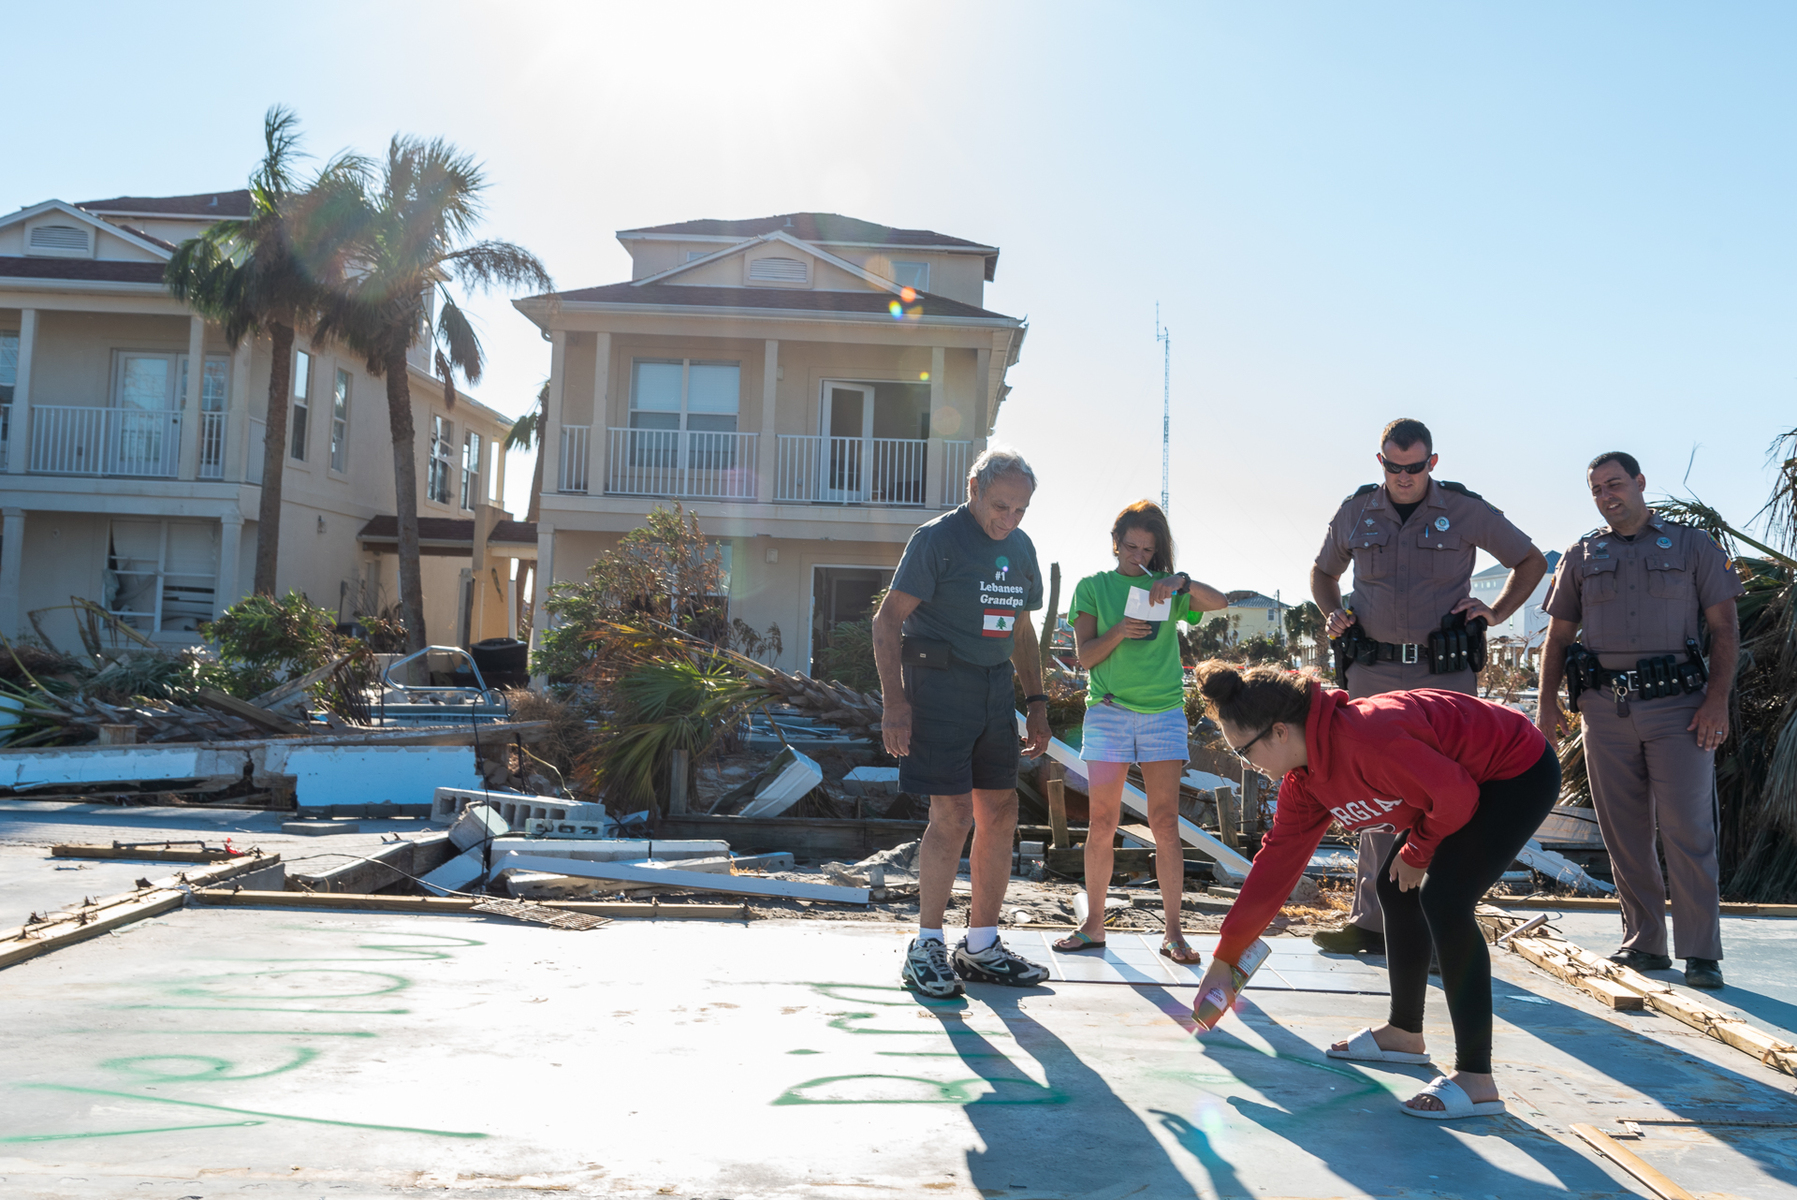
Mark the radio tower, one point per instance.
(1165, 338)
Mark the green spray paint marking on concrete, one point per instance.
(248, 1112)
(907, 998)
(199, 988)
(956, 1091)
(105, 1133)
(217, 1071)
(335, 1012)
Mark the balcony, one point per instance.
(690, 465)
(893, 472)
(73, 439)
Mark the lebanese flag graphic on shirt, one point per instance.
(999, 622)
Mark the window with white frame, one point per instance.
(340, 422)
(215, 397)
(161, 576)
(9, 378)
(689, 396)
(436, 484)
(470, 469)
(912, 275)
(302, 402)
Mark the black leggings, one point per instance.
(1466, 865)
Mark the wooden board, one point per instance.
(1631, 1162)
(1551, 956)
(1605, 904)
(454, 905)
(838, 838)
(67, 927)
(696, 881)
(141, 853)
(243, 710)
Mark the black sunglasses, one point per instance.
(1241, 751)
(1415, 468)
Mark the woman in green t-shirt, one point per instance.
(1135, 708)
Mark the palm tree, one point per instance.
(409, 242)
(267, 274)
(527, 433)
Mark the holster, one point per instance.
(1579, 662)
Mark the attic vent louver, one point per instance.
(59, 239)
(777, 270)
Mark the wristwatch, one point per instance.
(1185, 587)
(1029, 700)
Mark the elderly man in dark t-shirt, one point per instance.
(947, 638)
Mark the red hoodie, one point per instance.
(1408, 760)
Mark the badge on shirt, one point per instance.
(1441, 523)
(1664, 543)
(1603, 545)
(998, 623)
(1369, 520)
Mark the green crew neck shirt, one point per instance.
(1141, 674)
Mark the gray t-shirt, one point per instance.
(971, 587)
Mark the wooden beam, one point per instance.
(140, 853)
(455, 905)
(1229, 818)
(1606, 904)
(1551, 957)
(1057, 806)
(67, 927)
(1631, 1162)
(245, 711)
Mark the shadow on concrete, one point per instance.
(1352, 1129)
(1695, 1088)
(1069, 1135)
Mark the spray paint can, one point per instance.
(1210, 1007)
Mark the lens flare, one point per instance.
(908, 294)
(897, 310)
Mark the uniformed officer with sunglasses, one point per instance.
(1411, 540)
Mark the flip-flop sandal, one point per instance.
(1086, 942)
(1455, 1103)
(1363, 1048)
(1178, 949)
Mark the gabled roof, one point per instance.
(770, 299)
(1247, 598)
(123, 233)
(205, 204)
(812, 227)
(780, 236)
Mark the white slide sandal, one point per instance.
(1455, 1103)
(1363, 1048)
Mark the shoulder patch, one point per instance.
(1362, 490)
(1461, 488)
(1600, 531)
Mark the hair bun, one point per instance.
(1220, 684)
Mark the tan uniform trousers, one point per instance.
(1372, 680)
(1647, 770)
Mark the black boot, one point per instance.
(1641, 960)
(1350, 939)
(1703, 973)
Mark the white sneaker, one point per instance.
(926, 969)
(995, 964)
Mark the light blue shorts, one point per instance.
(1117, 734)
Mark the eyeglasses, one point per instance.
(1241, 751)
(1415, 468)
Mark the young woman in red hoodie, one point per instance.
(1464, 781)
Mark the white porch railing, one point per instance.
(841, 470)
(956, 458)
(573, 476)
(78, 440)
(684, 463)
(212, 445)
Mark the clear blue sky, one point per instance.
(1547, 230)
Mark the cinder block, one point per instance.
(315, 828)
(477, 823)
(515, 807)
(457, 873)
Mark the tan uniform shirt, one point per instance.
(1641, 598)
(1408, 574)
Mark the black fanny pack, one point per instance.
(925, 652)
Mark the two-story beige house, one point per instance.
(813, 386)
(131, 444)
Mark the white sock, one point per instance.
(980, 937)
(929, 935)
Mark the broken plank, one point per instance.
(1551, 957)
(243, 710)
(697, 881)
(1631, 1162)
(140, 853)
(453, 905)
(293, 687)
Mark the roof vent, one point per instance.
(789, 222)
(58, 240)
(776, 270)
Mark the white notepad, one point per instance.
(1137, 606)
